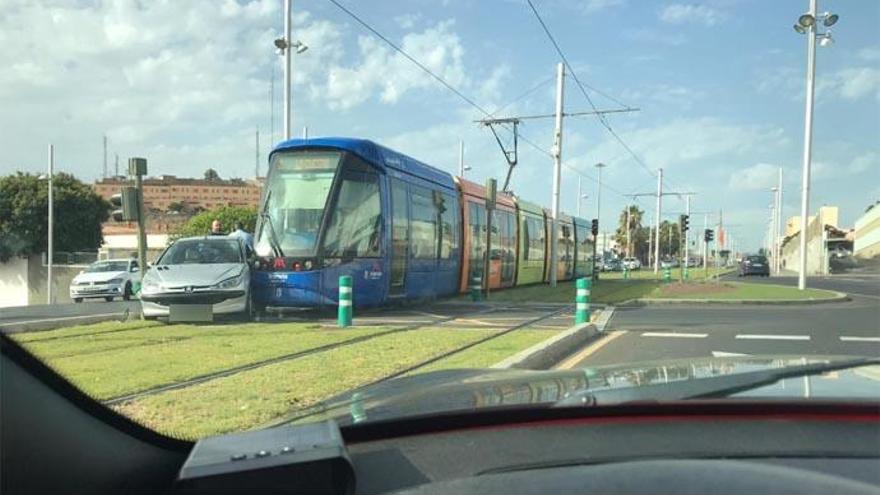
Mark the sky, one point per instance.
(719, 84)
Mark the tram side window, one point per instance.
(354, 229)
(423, 225)
(448, 230)
(477, 226)
(526, 238)
(536, 244)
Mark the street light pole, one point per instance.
(50, 256)
(657, 220)
(778, 233)
(808, 146)
(288, 8)
(557, 169)
(600, 166)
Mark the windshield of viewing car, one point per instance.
(296, 190)
(201, 252)
(407, 197)
(108, 266)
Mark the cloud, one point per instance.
(759, 176)
(854, 83)
(871, 53)
(407, 21)
(679, 13)
(387, 72)
(693, 142)
(864, 162)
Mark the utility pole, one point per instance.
(50, 256)
(104, 172)
(138, 168)
(257, 153)
(462, 168)
(288, 8)
(778, 233)
(628, 229)
(116, 166)
(305, 132)
(600, 166)
(705, 243)
(579, 197)
(687, 212)
(657, 220)
(272, 106)
(557, 169)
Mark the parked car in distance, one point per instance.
(104, 279)
(669, 263)
(632, 263)
(199, 270)
(612, 265)
(754, 265)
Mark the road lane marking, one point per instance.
(589, 350)
(676, 335)
(754, 336)
(727, 354)
(859, 339)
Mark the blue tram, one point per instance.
(341, 206)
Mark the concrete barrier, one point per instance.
(545, 354)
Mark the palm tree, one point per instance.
(635, 229)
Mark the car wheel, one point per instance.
(126, 292)
(109, 298)
(77, 300)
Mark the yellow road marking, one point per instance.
(589, 350)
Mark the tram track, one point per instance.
(113, 401)
(321, 407)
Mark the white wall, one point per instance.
(13, 282)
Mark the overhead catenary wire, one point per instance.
(464, 97)
(601, 118)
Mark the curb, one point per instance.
(544, 355)
(54, 323)
(838, 297)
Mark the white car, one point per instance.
(107, 279)
(632, 263)
(199, 270)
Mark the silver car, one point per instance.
(199, 270)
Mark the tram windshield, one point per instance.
(296, 193)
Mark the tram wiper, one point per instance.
(273, 237)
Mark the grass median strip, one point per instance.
(108, 327)
(737, 291)
(488, 353)
(187, 351)
(255, 397)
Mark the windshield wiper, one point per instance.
(273, 237)
(706, 388)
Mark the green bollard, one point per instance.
(625, 273)
(582, 301)
(476, 288)
(667, 275)
(685, 273)
(345, 308)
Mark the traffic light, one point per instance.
(129, 199)
(594, 227)
(709, 235)
(116, 207)
(684, 222)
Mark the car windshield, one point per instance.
(201, 252)
(211, 223)
(107, 266)
(297, 189)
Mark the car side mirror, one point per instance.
(134, 269)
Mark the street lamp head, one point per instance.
(830, 19)
(466, 168)
(280, 43)
(300, 46)
(43, 177)
(799, 29)
(806, 20)
(600, 165)
(826, 39)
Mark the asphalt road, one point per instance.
(864, 284)
(685, 331)
(48, 315)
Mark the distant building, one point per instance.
(823, 235)
(866, 243)
(161, 193)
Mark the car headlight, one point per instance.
(149, 285)
(114, 281)
(229, 283)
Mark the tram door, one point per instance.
(399, 237)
